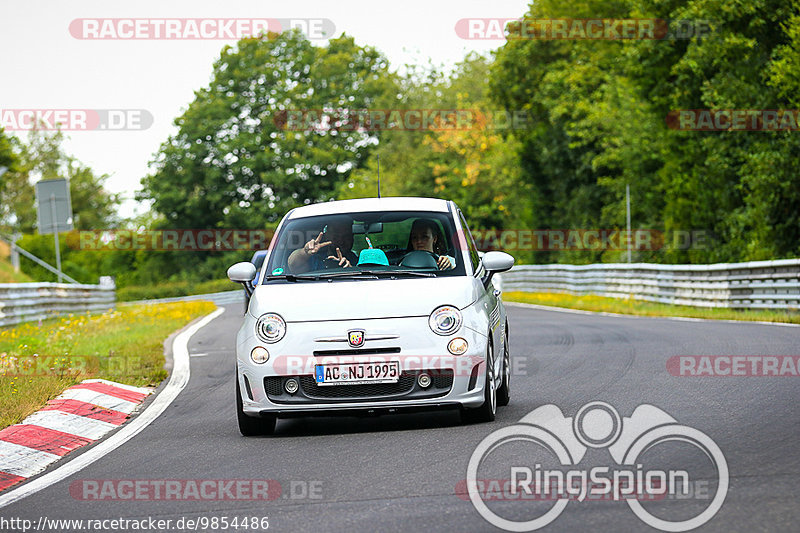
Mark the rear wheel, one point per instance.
(487, 411)
(250, 426)
(504, 392)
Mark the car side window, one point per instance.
(475, 259)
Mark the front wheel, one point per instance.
(487, 411)
(250, 426)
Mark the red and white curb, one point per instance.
(81, 415)
(178, 379)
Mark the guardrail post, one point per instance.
(14, 253)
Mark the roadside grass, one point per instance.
(37, 362)
(172, 289)
(629, 306)
(7, 274)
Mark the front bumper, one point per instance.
(457, 381)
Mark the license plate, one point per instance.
(357, 373)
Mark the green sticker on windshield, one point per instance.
(277, 272)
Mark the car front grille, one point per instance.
(442, 379)
(356, 352)
(273, 386)
(310, 388)
(405, 388)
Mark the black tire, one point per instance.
(250, 426)
(504, 391)
(487, 411)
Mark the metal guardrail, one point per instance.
(751, 285)
(15, 249)
(23, 302)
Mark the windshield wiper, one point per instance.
(292, 277)
(363, 274)
(377, 274)
(346, 274)
(411, 273)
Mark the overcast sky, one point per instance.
(45, 67)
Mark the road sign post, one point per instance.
(54, 210)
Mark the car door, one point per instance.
(489, 300)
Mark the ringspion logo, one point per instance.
(524, 452)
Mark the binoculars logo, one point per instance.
(597, 425)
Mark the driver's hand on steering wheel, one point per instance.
(443, 263)
(342, 260)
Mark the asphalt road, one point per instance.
(399, 472)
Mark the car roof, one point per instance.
(371, 204)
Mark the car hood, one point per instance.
(306, 301)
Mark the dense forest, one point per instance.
(556, 131)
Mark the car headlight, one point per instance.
(270, 327)
(445, 320)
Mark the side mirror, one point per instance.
(242, 272)
(495, 262)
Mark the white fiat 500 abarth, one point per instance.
(371, 306)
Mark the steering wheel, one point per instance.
(420, 259)
(330, 263)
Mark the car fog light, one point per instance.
(259, 355)
(291, 385)
(458, 346)
(424, 381)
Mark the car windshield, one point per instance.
(368, 245)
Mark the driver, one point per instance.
(425, 236)
(334, 243)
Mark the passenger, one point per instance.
(334, 243)
(425, 236)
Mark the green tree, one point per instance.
(93, 206)
(237, 162)
(7, 159)
(42, 158)
(17, 205)
(600, 107)
(473, 164)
